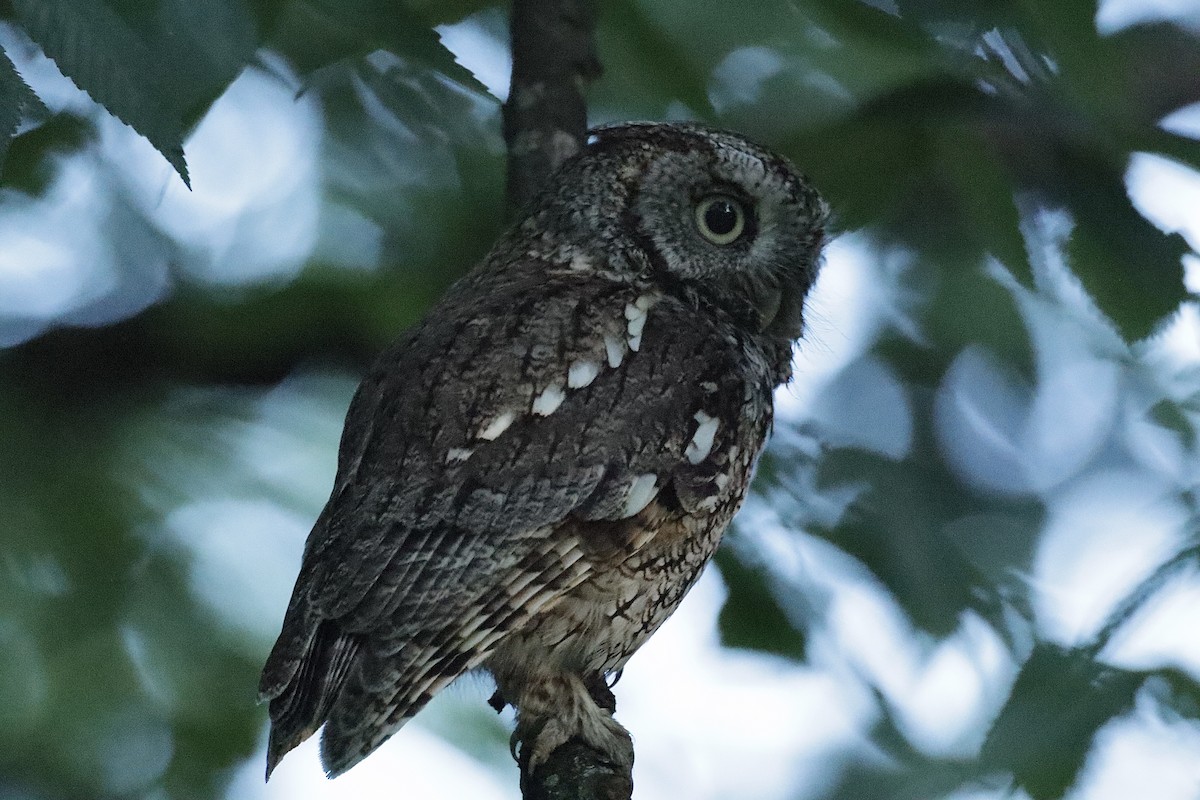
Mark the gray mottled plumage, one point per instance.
(531, 478)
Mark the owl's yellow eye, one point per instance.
(720, 219)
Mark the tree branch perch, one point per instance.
(574, 770)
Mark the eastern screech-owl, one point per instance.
(531, 478)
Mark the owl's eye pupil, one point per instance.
(720, 219)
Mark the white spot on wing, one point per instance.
(635, 315)
(582, 373)
(641, 492)
(702, 441)
(581, 262)
(637, 321)
(455, 454)
(497, 426)
(548, 401)
(615, 348)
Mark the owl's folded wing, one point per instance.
(466, 452)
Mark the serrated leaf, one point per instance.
(16, 101)
(1060, 699)
(97, 50)
(16, 96)
(315, 34)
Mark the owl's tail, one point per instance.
(302, 680)
(385, 692)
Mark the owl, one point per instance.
(532, 477)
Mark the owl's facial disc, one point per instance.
(732, 223)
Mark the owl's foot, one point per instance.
(555, 709)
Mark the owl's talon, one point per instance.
(553, 710)
(514, 745)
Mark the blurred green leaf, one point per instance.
(993, 321)
(984, 189)
(33, 155)
(1158, 62)
(1000, 544)
(896, 527)
(752, 617)
(872, 24)
(1176, 690)
(876, 186)
(646, 69)
(438, 12)
(1169, 415)
(203, 687)
(900, 771)
(1132, 269)
(919, 780)
(1059, 701)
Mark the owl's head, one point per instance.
(705, 212)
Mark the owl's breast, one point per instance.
(642, 566)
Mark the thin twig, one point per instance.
(1136, 600)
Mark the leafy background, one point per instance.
(969, 569)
